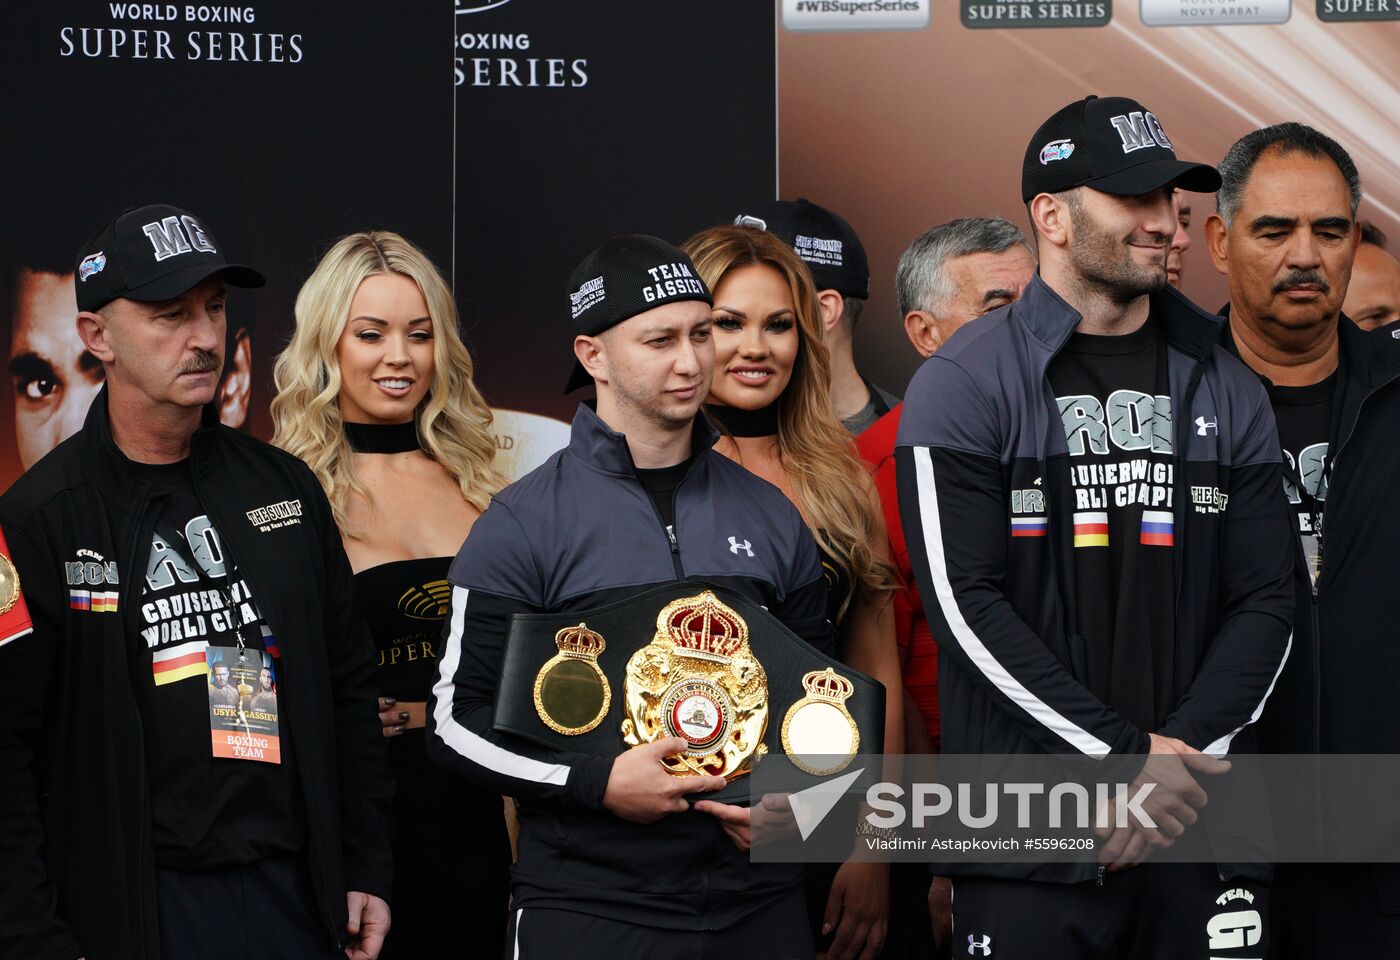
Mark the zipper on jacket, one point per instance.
(669, 529)
(1098, 882)
(671, 533)
(1180, 425)
(130, 586)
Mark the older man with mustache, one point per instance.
(1285, 235)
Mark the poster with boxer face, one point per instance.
(540, 132)
(283, 126)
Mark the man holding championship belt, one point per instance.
(613, 859)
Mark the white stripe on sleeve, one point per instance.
(1219, 748)
(475, 748)
(16, 635)
(1077, 737)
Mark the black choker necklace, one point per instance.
(382, 437)
(746, 423)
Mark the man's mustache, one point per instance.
(202, 362)
(1300, 278)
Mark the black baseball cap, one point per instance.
(629, 274)
(150, 254)
(824, 241)
(1112, 144)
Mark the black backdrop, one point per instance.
(297, 123)
(675, 130)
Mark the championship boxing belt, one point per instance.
(692, 661)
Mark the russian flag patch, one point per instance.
(1158, 528)
(1091, 529)
(95, 601)
(1029, 527)
(270, 642)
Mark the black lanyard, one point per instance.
(1317, 506)
(177, 544)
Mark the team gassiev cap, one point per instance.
(1111, 144)
(628, 275)
(150, 254)
(824, 241)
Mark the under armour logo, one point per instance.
(735, 546)
(974, 945)
(1204, 427)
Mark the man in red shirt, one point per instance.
(949, 275)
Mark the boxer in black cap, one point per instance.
(836, 257)
(157, 548)
(1062, 466)
(613, 860)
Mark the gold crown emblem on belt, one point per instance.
(827, 686)
(580, 642)
(698, 680)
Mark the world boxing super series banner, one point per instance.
(548, 127)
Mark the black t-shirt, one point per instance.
(206, 812)
(660, 484)
(1115, 403)
(1304, 416)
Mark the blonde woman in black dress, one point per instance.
(375, 393)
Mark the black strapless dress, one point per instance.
(451, 849)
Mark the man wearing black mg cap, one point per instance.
(1089, 483)
(613, 860)
(164, 559)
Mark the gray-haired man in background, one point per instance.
(949, 275)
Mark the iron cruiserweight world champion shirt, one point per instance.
(1114, 401)
(207, 812)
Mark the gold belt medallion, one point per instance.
(9, 584)
(698, 680)
(572, 695)
(819, 734)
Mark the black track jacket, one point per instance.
(77, 870)
(1338, 693)
(576, 533)
(981, 441)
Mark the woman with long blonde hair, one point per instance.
(771, 397)
(375, 394)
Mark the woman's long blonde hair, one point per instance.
(453, 420)
(831, 483)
